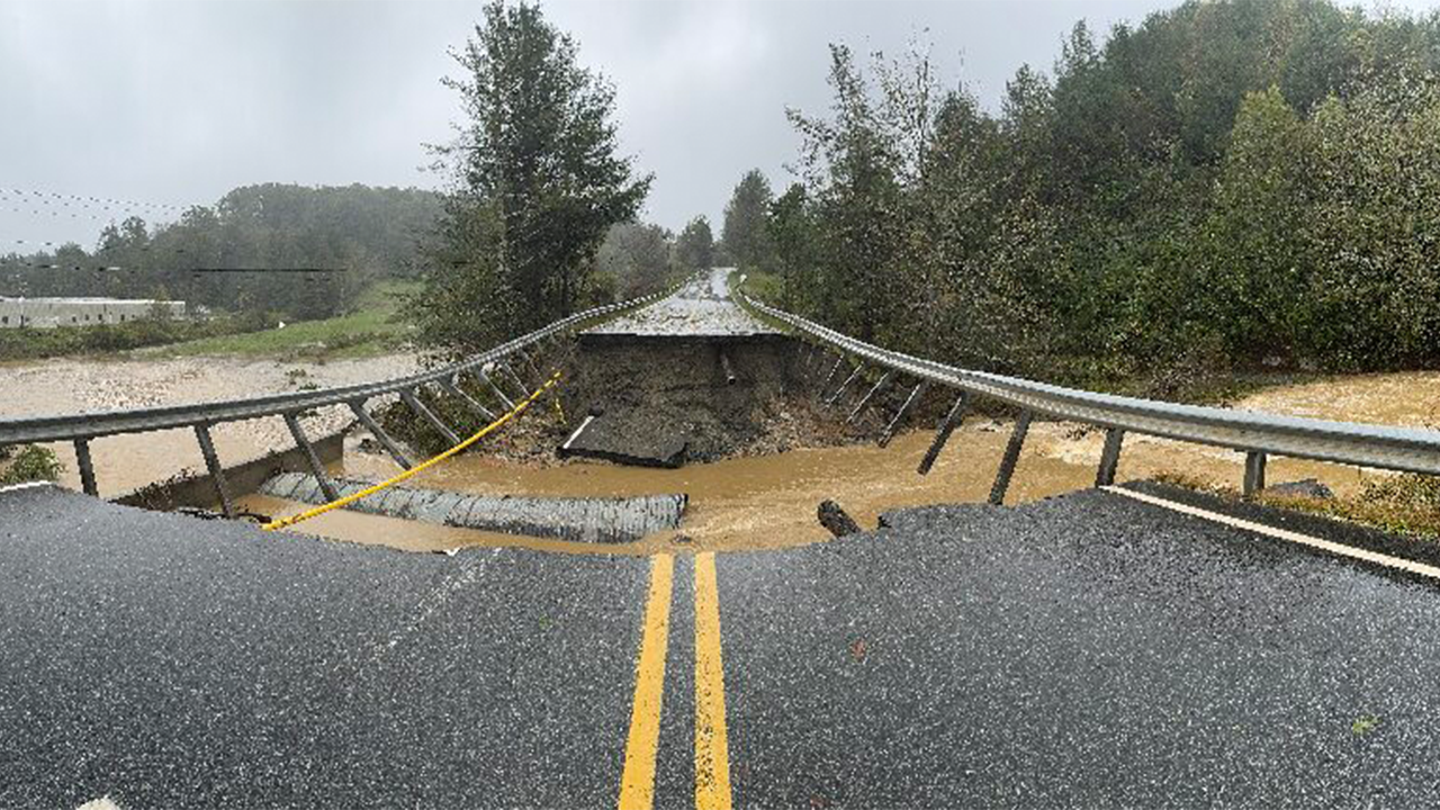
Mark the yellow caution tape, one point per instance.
(417, 469)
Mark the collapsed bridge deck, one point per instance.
(678, 380)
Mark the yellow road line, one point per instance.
(1284, 534)
(637, 781)
(712, 750)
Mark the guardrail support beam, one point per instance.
(884, 378)
(494, 389)
(217, 472)
(530, 361)
(914, 397)
(1254, 473)
(943, 431)
(1012, 457)
(1109, 457)
(87, 468)
(828, 377)
(321, 477)
(519, 383)
(413, 403)
(380, 435)
(454, 390)
(835, 397)
(1007, 464)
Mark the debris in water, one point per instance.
(834, 519)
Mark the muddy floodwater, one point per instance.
(744, 503)
(769, 501)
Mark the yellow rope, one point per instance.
(349, 499)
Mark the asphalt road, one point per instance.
(168, 662)
(702, 308)
(1090, 650)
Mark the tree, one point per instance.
(636, 258)
(537, 183)
(746, 232)
(695, 249)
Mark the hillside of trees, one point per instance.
(363, 233)
(1225, 185)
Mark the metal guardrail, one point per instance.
(1256, 434)
(81, 428)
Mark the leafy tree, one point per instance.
(636, 259)
(537, 183)
(1227, 182)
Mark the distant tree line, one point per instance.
(365, 233)
(1229, 183)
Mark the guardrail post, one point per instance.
(1109, 457)
(321, 477)
(380, 435)
(509, 372)
(414, 404)
(828, 377)
(454, 390)
(884, 378)
(943, 431)
(1012, 456)
(838, 391)
(87, 468)
(530, 361)
(217, 472)
(915, 395)
(1254, 473)
(494, 389)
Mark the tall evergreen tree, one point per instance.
(538, 182)
(746, 233)
(695, 247)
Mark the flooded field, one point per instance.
(123, 463)
(743, 503)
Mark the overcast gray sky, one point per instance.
(176, 103)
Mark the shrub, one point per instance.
(32, 463)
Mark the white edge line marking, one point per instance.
(573, 436)
(1283, 534)
(29, 485)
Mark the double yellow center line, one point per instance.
(712, 756)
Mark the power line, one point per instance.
(30, 197)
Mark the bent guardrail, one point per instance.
(81, 428)
(1255, 434)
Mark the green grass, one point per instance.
(367, 332)
(762, 286)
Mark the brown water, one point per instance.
(744, 503)
(767, 502)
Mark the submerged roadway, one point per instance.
(1091, 650)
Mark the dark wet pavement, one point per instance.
(169, 662)
(1087, 650)
(1084, 651)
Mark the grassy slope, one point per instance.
(364, 333)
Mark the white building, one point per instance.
(48, 313)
